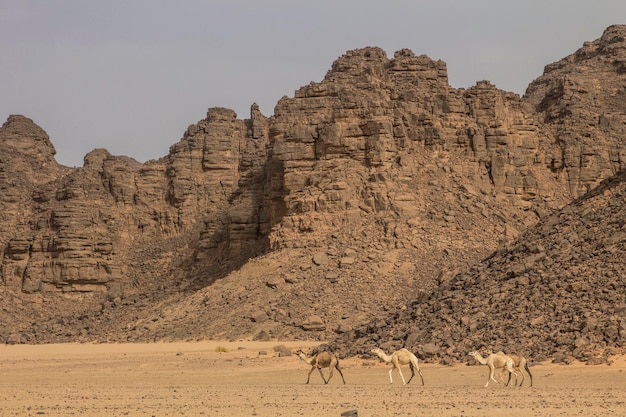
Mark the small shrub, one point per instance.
(221, 349)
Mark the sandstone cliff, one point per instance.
(582, 101)
(362, 193)
(119, 223)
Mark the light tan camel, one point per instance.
(319, 361)
(520, 364)
(495, 361)
(399, 358)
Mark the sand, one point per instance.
(250, 379)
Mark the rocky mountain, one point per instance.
(362, 193)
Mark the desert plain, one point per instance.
(246, 378)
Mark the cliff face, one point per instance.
(582, 101)
(380, 176)
(374, 129)
(116, 222)
(26, 163)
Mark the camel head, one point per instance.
(376, 351)
(473, 353)
(304, 358)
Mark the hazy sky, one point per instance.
(131, 75)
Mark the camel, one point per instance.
(319, 361)
(520, 364)
(399, 358)
(495, 361)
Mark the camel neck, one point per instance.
(480, 359)
(304, 358)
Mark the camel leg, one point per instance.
(340, 373)
(520, 369)
(390, 377)
(322, 375)
(419, 371)
(491, 372)
(529, 374)
(412, 373)
(512, 371)
(511, 376)
(509, 380)
(308, 377)
(502, 379)
(401, 376)
(330, 373)
(523, 377)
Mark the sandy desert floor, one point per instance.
(193, 379)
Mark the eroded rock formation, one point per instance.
(381, 180)
(115, 220)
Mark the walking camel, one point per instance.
(399, 358)
(495, 361)
(319, 361)
(520, 363)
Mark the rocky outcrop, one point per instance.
(22, 137)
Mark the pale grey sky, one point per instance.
(131, 75)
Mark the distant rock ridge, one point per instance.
(382, 168)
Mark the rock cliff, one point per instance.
(582, 101)
(360, 194)
(119, 223)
